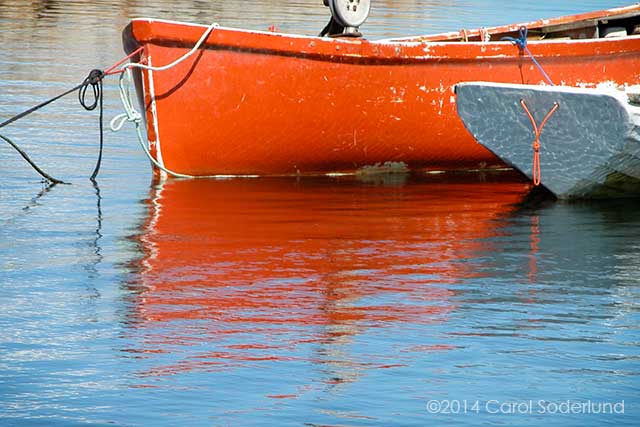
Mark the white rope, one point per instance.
(195, 48)
(131, 115)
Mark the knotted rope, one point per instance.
(536, 173)
(93, 80)
(521, 42)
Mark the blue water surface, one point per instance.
(338, 302)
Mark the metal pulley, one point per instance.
(347, 16)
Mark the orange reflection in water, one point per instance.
(327, 258)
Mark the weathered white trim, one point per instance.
(154, 114)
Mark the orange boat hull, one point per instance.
(264, 103)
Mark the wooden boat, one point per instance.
(252, 102)
(588, 148)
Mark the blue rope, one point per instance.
(521, 42)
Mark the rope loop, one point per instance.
(118, 121)
(521, 42)
(94, 79)
(536, 173)
(133, 116)
(130, 114)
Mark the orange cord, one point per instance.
(535, 171)
(112, 70)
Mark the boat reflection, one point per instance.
(252, 269)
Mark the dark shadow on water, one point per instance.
(35, 201)
(94, 245)
(611, 211)
(47, 187)
(96, 249)
(538, 197)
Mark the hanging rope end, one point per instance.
(536, 171)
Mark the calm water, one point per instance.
(376, 302)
